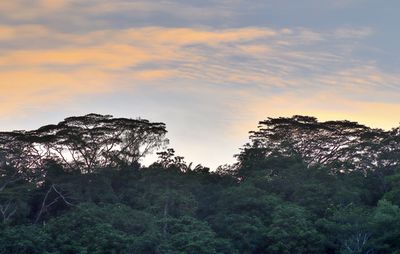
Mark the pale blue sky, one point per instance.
(209, 69)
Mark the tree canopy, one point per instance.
(298, 186)
(341, 145)
(84, 143)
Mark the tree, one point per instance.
(386, 224)
(292, 231)
(24, 239)
(103, 229)
(343, 145)
(14, 194)
(301, 186)
(191, 236)
(83, 142)
(348, 230)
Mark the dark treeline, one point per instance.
(299, 186)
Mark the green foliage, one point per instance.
(299, 186)
(102, 229)
(292, 231)
(191, 236)
(347, 229)
(24, 239)
(393, 194)
(386, 223)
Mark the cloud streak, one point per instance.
(240, 61)
(259, 59)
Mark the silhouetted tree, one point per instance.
(343, 145)
(84, 143)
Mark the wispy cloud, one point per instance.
(254, 58)
(223, 63)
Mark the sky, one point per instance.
(209, 69)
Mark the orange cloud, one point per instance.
(38, 89)
(154, 74)
(255, 59)
(161, 36)
(108, 56)
(53, 4)
(23, 32)
(6, 33)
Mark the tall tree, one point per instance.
(84, 142)
(343, 145)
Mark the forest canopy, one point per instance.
(299, 186)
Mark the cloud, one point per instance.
(53, 4)
(254, 58)
(57, 66)
(6, 33)
(22, 32)
(352, 33)
(41, 90)
(102, 61)
(54, 12)
(112, 56)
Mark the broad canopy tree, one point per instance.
(83, 142)
(341, 145)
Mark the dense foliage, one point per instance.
(299, 186)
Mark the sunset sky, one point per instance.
(209, 69)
